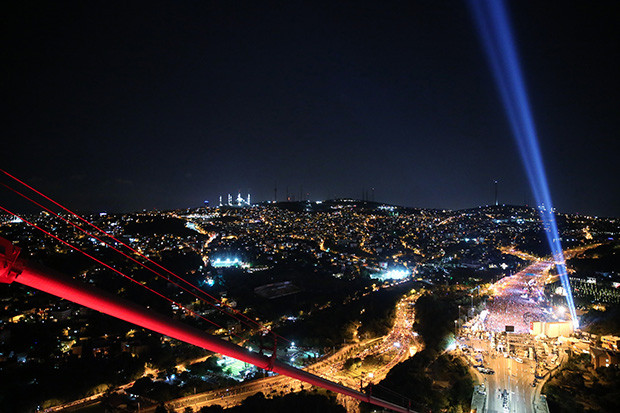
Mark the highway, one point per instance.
(396, 346)
(517, 300)
(514, 380)
(510, 388)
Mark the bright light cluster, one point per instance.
(393, 274)
(228, 262)
(495, 32)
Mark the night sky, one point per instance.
(124, 106)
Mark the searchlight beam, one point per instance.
(495, 32)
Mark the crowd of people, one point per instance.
(516, 304)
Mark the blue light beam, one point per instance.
(496, 35)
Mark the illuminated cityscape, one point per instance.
(339, 207)
(295, 265)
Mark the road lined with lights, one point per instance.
(398, 345)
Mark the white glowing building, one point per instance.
(238, 202)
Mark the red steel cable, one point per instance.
(133, 250)
(99, 261)
(112, 305)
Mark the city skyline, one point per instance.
(486, 274)
(160, 107)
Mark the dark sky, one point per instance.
(127, 105)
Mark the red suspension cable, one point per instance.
(71, 290)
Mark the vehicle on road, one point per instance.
(486, 370)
